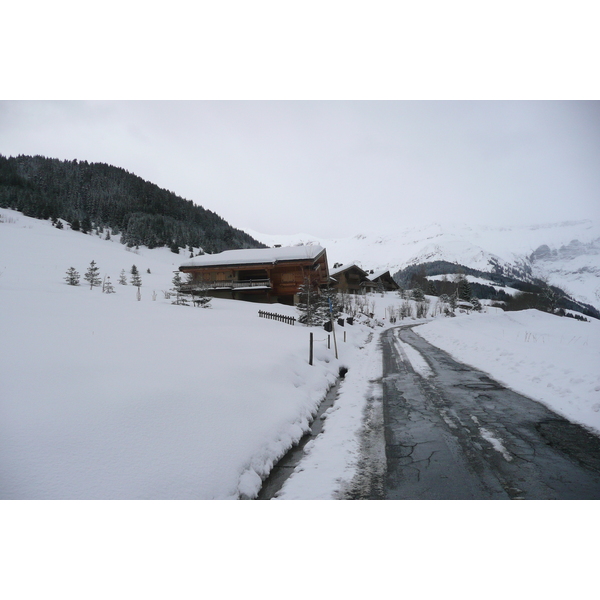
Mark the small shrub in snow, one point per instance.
(107, 286)
(422, 308)
(122, 278)
(202, 301)
(405, 309)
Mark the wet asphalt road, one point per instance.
(457, 434)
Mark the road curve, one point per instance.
(452, 432)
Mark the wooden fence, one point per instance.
(276, 317)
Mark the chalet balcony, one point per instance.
(190, 288)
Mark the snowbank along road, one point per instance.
(451, 432)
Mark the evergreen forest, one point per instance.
(102, 196)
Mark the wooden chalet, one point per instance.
(351, 279)
(258, 275)
(383, 280)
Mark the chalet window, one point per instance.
(287, 278)
(222, 276)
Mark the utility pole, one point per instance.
(332, 326)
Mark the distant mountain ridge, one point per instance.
(566, 254)
(110, 197)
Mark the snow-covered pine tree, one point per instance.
(136, 278)
(476, 304)
(122, 278)
(177, 280)
(108, 287)
(180, 299)
(453, 300)
(418, 294)
(310, 305)
(91, 275)
(336, 302)
(72, 277)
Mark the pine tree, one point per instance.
(431, 289)
(464, 290)
(476, 304)
(86, 225)
(331, 295)
(108, 288)
(72, 277)
(418, 295)
(136, 278)
(310, 305)
(176, 290)
(177, 280)
(91, 275)
(122, 278)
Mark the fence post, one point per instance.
(310, 353)
(328, 342)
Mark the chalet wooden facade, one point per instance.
(351, 279)
(263, 275)
(384, 281)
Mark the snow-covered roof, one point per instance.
(378, 274)
(255, 256)
(334, 272)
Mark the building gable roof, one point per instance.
(260, 256)
(347, 267)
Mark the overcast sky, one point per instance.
(336, 168)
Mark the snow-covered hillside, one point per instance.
(573, 266)
(106, 396)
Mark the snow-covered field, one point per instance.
(553, 360)
(105, 396)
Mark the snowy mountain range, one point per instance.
(567, 254)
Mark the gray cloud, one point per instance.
(336, 168)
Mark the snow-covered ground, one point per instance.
(105, 396)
